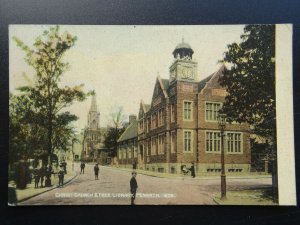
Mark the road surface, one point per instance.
(112, 188)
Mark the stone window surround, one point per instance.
(183, 110)
(212, 102)
(183, 140)
(226, 143)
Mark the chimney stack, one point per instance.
(132, 118)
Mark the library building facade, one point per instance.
(180, 126)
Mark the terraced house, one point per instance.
(180, 125)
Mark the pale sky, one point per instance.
(121, 63)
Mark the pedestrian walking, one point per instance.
(96, 170)
(133, 187)
(36, 177)
(82, 166)
(192, 169)
(42, 174)
(61, 174)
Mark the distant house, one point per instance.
(180, 125)
(127, 154)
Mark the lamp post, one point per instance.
(222, 125)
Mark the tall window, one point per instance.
(141, 124)
(153, 146)
(149, 147)
(211, 111)
(160, 117)
(160, 144)
(187, 110)
(173, 142)
(148, 124)
(213, 142)
(120, 153)
(173, 112)
(234, 142)
(154, 120)
(187, 141)
(129, 153)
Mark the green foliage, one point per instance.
(115, 130)
(42, 106)
(250, 80)
(111, 138)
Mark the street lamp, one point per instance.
(222, 125)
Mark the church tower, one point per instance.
(184, 68)
(92, 133)
(93, 115)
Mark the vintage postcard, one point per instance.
(151, 115)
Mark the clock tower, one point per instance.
(183, 68)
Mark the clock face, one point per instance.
(187, 73)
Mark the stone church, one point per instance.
(180, 125)
(93, 148)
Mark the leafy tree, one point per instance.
(250, 83)
(250, 80)
(115, 130)
(48, 99)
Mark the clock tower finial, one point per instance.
(183, 67)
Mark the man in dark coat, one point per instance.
(96, 170)
(192, 169)
(133, 187)
(36, 177)
(82, 165)
(61, 174)
(42, 174)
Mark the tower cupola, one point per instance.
(183, 51)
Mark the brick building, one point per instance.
(127, 145)
(180, 126)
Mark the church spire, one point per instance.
(94, 104)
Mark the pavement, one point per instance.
(112, 188)
(30, 191)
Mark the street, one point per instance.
(112, 188)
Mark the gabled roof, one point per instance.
(203, 82)
(130, 132)
(147, 107)
(165, 83)
(212, 80)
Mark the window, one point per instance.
(187, 141)
(129, 156)
(154, 121)
(153, 146)
(211, 111)
(120, 153)
(149, 148)
(187, 110)
(160, 117)
(173, 112)
(148, 124)
(213, 142)
(134, 152)
(234, 143)
(173, 142)
(141, 124)
(161, 144)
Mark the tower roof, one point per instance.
(183, 45)
(183, 49)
